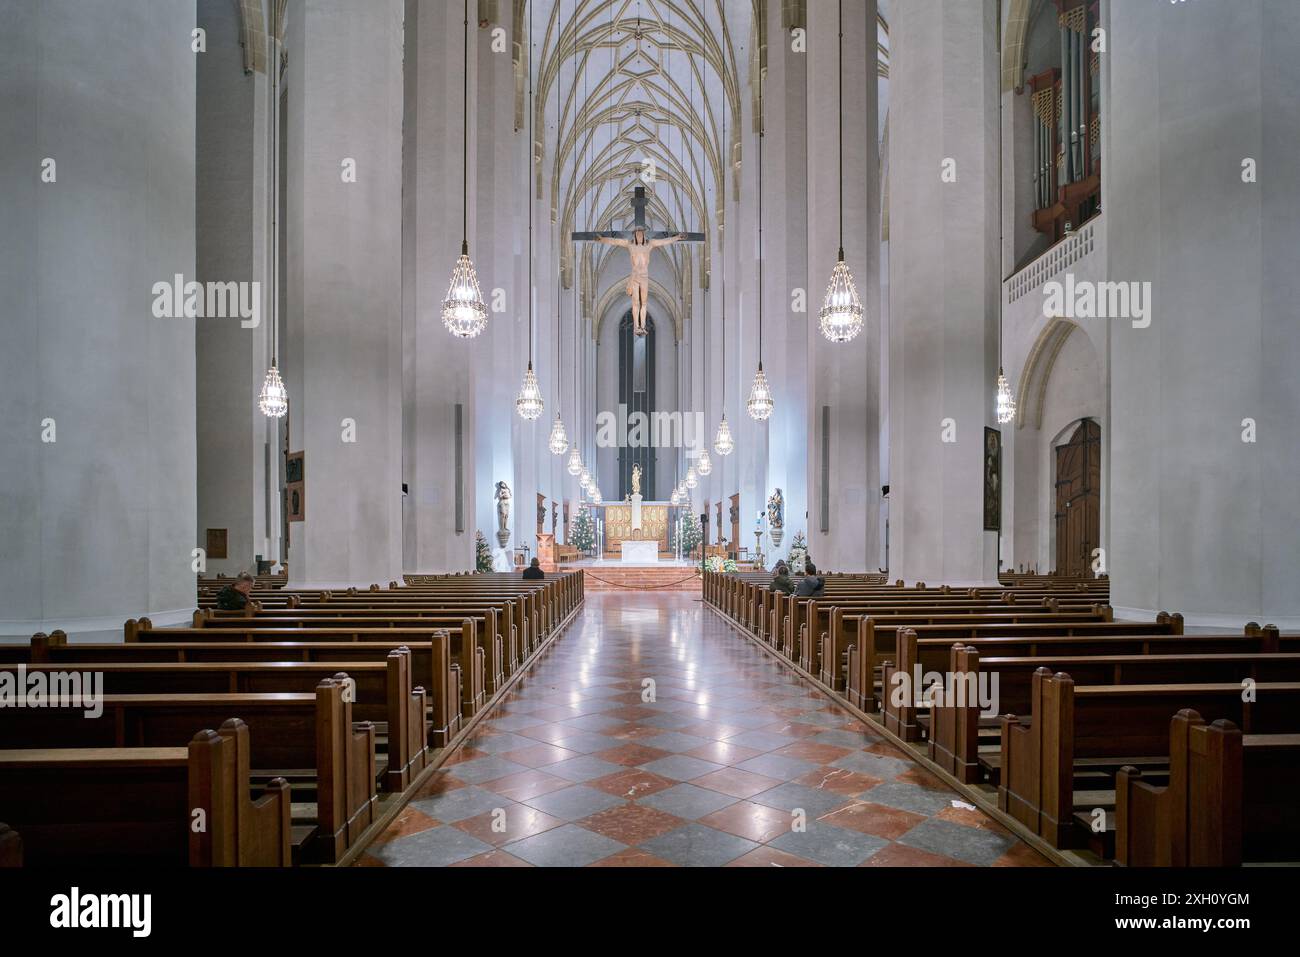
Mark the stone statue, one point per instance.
(503, 514)
(638, 283)
(636, 479)
(776, 517)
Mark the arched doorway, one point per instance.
(1078, 499)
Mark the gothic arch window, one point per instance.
(636, 394)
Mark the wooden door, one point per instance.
(1078, 499)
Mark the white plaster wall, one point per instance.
(98, 525)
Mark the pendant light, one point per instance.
(463, 311)
(703, 464)
(575, 461)
(723, 443)
(529, 404)
(273, 399)
(691, 480)
(559, 440)
(584, 479)
(841, 313)
(760, 395)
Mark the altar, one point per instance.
(640, 552)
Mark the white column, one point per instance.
(944, 255)
(97, 477)
(843, 376)
(1202, 522)
(345, 290)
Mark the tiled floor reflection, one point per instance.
(733, 760)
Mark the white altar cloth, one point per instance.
(640, 553)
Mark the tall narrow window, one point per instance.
(636, 393)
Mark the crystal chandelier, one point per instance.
(1006, 403)
(559, 442)
(529, 405)
(703, 465)
(273, 400)
(595, 494)
(841, 315)
(575, 461)
(691, 480)
(675, 498)
(722, 442)
(463, 311)
(760, 396)
(584, 479)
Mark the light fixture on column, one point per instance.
(703, 464)
(691, 480)
(529, 404)
(273, 400)
(559, 441)
(760, 396)
(463, 311)
(723, 444)
(575, 461)
(841, 314)
(1006, 403)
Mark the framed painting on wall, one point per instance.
(992, 480)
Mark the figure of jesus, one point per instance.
(638, 284)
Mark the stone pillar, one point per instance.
(236, 443)
(344, 342)
(97, 478)
(944, 286)
(844, 376)
(1203, 522)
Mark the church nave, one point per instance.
(576, 769)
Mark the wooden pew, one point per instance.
(956, 731)
(431, 662)
(1230, 798)
(382, 693)
(462, 643)
(309, 739)
(935, 654)
(1098, 729)
(877, 644)
(139, 806)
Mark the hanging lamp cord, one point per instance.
(840, 70)
(464, 194)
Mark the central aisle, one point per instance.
(735, 761)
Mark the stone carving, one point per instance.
(636, 479)
(776, 517)
(503, 514)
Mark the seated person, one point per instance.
(234, 597)
(534, 570)
(781, 579)
(812, 584)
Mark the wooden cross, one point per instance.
(639, 203)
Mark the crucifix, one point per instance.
(639, 241)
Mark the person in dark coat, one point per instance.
(234, 597)
(781, 579)
(812, 584)
(534, 571)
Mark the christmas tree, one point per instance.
(691, 535)
(584, 530)
(482, 554)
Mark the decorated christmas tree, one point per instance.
(691, 535)
(482, 554)
(584, 530)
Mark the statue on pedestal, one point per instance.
(776, 517)
(503, 514)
